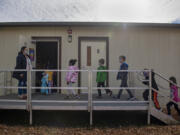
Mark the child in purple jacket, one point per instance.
(173, 96)
(71, 78)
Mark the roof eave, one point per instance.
(21, 24)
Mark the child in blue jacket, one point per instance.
(123, 76)
(44, 83)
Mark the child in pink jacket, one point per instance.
(71, 78)
(173, 96)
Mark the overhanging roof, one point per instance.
(50, 24)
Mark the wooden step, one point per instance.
(163, 117)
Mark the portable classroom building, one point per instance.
(146, 45)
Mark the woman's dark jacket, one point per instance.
(20, 64)
(154, 84)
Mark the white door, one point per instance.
(91, 52)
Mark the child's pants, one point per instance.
(169, 107)
(22, 91)
(102, 84)
(71, 91)
(44, 90)
(50, 84)
(124, 84)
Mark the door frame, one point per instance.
(59, 53)
(80, 39)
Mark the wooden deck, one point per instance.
(57, 102)
(57, 97)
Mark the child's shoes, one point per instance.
(67, 97)
(76, 97)
(110, 93)
(132, 99)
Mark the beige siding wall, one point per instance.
(145, 47)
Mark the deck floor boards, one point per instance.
(57, 96)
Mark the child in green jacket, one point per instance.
(101, 78)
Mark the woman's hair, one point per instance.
(22, 49)
(172, 79)
(72, 62)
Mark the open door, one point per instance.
(48, 56)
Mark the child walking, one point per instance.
(71, 78)
(123, 76)
(154, 86)
(101, 78)
(173, 96)
(50, 77)
(44, 83)
(50, 80)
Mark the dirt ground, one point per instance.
(77, 123)
(44, 130)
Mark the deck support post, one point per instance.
(29, 103)
(90, 97)
(150, 98)
(30, 116)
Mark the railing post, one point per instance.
(29, 105)
(11, 83)
(150, 97)
(90, 96)
(5, 83)
(89, 87)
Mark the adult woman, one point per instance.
(22, 62)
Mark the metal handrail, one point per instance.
(65, 70)
(40, 70)
(11, 87)
(58, 70)
(90, 88)
(85, 88)
(14, 87)
(162, 94)
(164, 78)
(9, 70)
(120, 70)
(117, 88)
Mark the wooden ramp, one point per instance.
(163, 117)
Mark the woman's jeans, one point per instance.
(22, 91)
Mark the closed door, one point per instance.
(91, 52)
